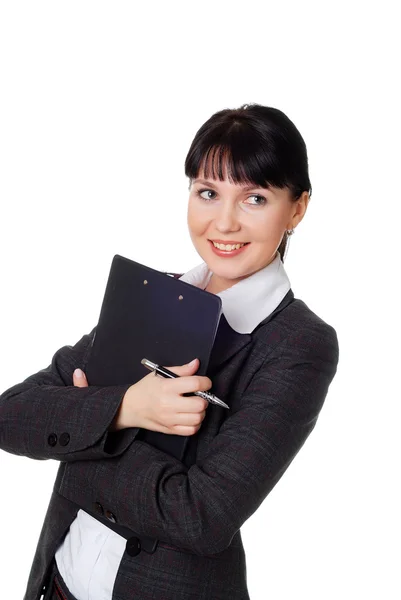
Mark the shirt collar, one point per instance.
(252, 299)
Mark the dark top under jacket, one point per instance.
(275, 381)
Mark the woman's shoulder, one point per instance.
(299, 324)
(299, 314)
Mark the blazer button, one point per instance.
(64, 439)
(97, 507)
(133, 546)
(111, 517)
(52, 439)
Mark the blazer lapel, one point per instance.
(229, 342)
(226, 344)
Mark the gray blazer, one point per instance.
(275, 381)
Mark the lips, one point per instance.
(228, 253)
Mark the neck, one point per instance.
(215, 287)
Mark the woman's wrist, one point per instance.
(125, 415)
(118, 422)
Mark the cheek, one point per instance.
(195, 219)
(269, 226)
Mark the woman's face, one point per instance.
(230, 213)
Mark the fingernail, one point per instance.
(192, 362)
(78, 373)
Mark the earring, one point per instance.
(290, 231)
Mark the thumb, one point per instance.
(79, 378)
(188, 369)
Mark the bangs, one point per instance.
(241, 158)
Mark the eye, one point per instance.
(200, 192)
(262, 199)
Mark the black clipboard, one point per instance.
(149, 314)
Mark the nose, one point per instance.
(227, 219)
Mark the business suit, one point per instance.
(275, 381)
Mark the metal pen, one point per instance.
(166, 373)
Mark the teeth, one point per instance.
(228, 247)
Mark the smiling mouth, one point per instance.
(228, 247)
(231, 250)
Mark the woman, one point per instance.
(272, 362)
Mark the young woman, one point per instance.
(272, 362)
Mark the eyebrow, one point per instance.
(246, 188)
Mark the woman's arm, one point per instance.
(45, 416)
(201, 508)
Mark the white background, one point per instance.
(99, 104)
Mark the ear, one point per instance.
(300, 207)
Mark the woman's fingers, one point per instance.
(79, 378)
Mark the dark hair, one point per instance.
(259, 144)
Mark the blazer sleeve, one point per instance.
(46, 416)
(202, 507)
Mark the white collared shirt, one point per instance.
(252, 299)
(90, 554)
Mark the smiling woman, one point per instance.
(272, 362)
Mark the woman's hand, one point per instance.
(157, 404)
